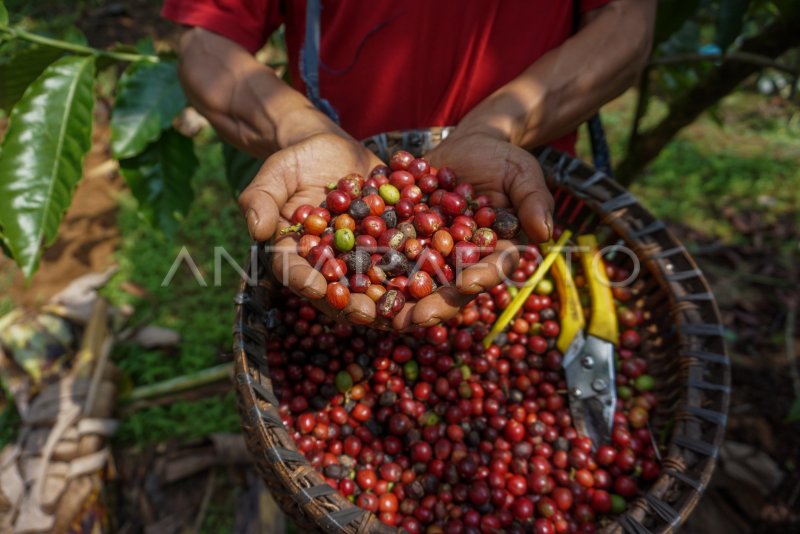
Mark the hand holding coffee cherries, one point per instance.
(401, 237)
(428, 263)
(509, 176)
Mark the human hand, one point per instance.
(511, 178)
(288, 179)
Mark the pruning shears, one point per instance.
(588, 352)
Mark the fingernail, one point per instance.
(548, 222)
(359, 318)
(252, 222)
(311, 293)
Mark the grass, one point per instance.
(747, 160)
(202, 315)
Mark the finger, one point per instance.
(262, 201)
(439, 306)
(295, 272)
(360, 309)
(533, 202)
(402, 321)
(490, 271)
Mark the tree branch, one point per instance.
(774, 40)
(744, 57)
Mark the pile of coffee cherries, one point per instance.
(398, 234)
(434, 433)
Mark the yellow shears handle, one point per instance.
(572, 320)
(603, 322)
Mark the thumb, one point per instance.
(534, 203)
(261, 203)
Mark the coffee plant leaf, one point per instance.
(161, 180)
(149, 96)
(41, 163)
(22, 69)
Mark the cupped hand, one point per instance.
(288, 179)
(512, 178)
(300, 175)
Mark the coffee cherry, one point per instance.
(412, 249)
(427, 223)
(306, 243)
(359, 283)
(393, 263)
(400, 160)
(358, 209)
(334, 270)
(392, 238)
(344, 239)
(376, 204)
(375, 292)
(420, 285)
(373, 226)
(447, 178)
(301, 213)
(337, 201)
(506, 225)
(442, 242)
(485, 217)
(314, 225)
(337, 295)
(351, 185)
(428, 183)
(401, 179)
(430, 261)
(390, 303)
(486, 240)
(453, 204)
(389, 194)
(357, 261)
(318, 255)
(460, 232)
(465, 254)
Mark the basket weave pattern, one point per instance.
(682, 340)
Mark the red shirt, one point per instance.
(394, 65)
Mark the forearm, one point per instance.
(245, 101)
(568, 84)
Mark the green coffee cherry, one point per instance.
(344, 239)
(389, 193)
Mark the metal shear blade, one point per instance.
(589, 370)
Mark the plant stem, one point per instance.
(76, 48)
(179, 384)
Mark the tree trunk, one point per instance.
(774, 40)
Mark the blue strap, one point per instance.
(601, 156)
(309, 59)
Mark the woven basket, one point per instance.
(682, 340)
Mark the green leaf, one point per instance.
(22, 68)
(3, 14)
(730, 19)
(161, 180)
(148, 98)
(794, 412)
(49, 132)
(672, 14)
(240, 168)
